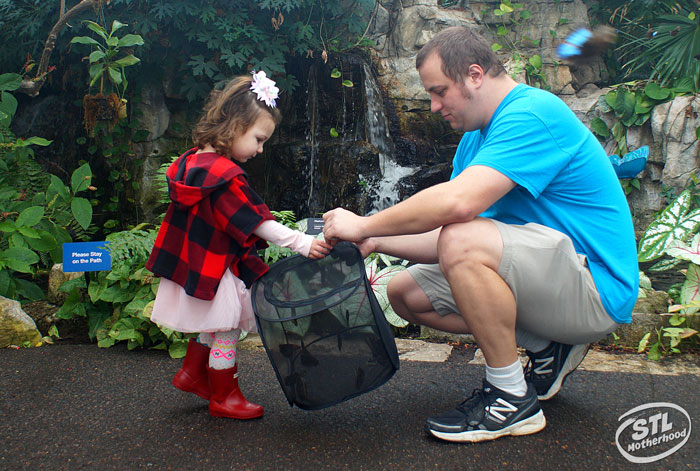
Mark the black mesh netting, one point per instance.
(322, 328)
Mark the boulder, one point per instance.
(56, 278)
(16, 327)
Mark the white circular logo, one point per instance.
(653, 431)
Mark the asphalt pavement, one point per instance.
(80, 407)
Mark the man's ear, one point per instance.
(475, 75)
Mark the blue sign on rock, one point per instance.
(86, 256)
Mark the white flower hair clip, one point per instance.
(265, 88)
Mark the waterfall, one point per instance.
(311, 137)
(385, 191)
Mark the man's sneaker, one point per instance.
(548, 369)
(488, 414)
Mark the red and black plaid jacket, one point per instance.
(209, 225)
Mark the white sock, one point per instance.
(508, 378)
(223, 351)
(206, 338)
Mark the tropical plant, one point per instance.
(381, 269)
(674, 236)
(38, 212)
(660, 39)
(222, 38)
(107, 67)
(105, 63)
(632, 104)
(118, 302)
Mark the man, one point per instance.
(530, 243)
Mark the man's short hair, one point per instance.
(459, 47)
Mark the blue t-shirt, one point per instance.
(564, 181)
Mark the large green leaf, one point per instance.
(96, 28)
(20, 253)
(8, 103)
(379, 279)
(127, 61)
(654, 91)
(676, 222)
(130, 40)
(81, 178)
(691, 288)
(19, 259)
(85, 40)
(178, 348)
(57, 190)
(599, 127)
(29, 290)
(96, 56)
(680, 250)
(82, 211)
(30, 216)
(5, 282)
(45, 243)
(10, 81)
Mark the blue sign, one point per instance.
(86, 256)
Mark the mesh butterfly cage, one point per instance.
(322, 327)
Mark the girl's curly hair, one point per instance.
(229, 113)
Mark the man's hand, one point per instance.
(342, 224)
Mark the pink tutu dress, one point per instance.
(231, 308)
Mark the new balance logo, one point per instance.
(542, 364)
(497, 410)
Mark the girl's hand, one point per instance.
(319, 249)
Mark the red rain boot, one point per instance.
(192, 376)
(226, 398)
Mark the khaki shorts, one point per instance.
(556, 298)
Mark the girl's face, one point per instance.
(249, 144)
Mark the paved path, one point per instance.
(78, 407)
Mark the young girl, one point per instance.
(206, 249)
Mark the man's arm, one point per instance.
(458, 200)
(419, 248)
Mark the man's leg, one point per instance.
(470, 255)
(505, 405)
(412, 303)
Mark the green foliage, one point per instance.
(23, 28)
(104, 59)
(514, 16)
(380, 270)
(118, 302)
(632, 104)
(274, 253)
(675, 337)
(661, 40)
(233, 37)
(112, 147)
(222, 38)
(38, 212)
(674, 234)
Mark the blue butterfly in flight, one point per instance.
(584, 44)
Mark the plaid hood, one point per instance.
(208, 173)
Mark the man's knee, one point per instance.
(396, 293)
(471, 244)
